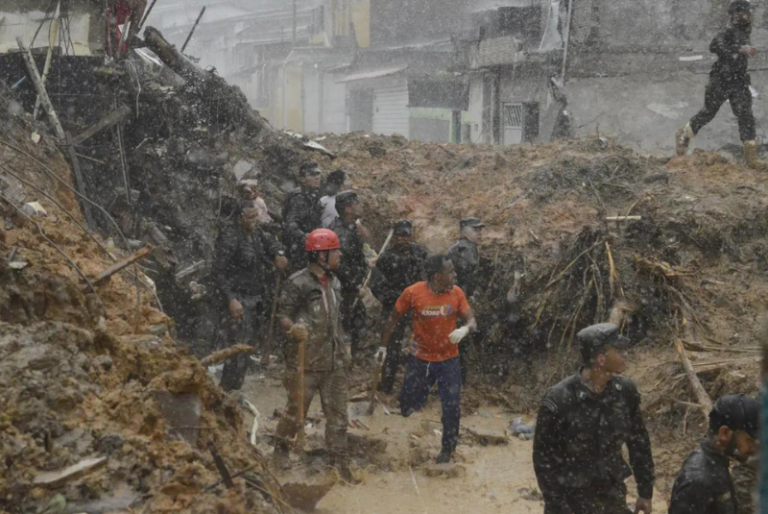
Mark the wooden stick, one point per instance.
(107, 121)
(300, 391)
(623, 218)
(41, 92)
(705, 403)
(146, 15)
(370, 272)
(79, 180)
(137, 256)
(197, 21)
(225, 354)
(221, 466)
(54, 34)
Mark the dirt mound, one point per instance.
(688, 246)
(101, 410)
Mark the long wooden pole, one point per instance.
(52, 38)
(197, 21)
(34, 74)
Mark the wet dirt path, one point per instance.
(492, 479)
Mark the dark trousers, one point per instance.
(244, 331)
(353, 316)
(419, 378)
(394, 358)
(597, 499)
(738, 94)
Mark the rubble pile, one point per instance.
(101, 410)
(589, 225)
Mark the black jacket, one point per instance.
(397, 270)
(731, 66)
(302, 214)
(466, 260)
(579, 437)
(241, 260)
(354, 265)
(704, 485)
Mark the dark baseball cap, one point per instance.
(403, 228)
(738, 6)
(471, 222)
(309, 169)
(737, 412)
(596, 337)
(346, 198)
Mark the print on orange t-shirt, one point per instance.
(434, 318)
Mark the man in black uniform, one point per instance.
(729, 81)
(243, 252)
(354, 267)
(301, 214)
(396, 268)
(466, 260)
(704, 485)
(583, 423)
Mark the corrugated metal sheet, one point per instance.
(390, 109)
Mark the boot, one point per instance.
(683, 139)
(750, 155)
(341, 463)
(281, 457)
(444, 457)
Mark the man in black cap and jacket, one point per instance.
(729, 81)
(398, 267)
(302, 214)
(354, 266)
(243, 254)
(704, 485)
(583, 423)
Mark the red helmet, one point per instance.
(321, 240)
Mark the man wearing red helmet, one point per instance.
(309, 311)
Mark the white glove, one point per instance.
(381, 354)
(457, 335)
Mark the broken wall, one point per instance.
(84, 25)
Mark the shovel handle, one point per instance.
(300, 391)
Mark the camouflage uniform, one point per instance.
(305, 300)
(745, 484)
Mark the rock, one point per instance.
(110, 443)
(104, 362)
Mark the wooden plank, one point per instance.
(107, 121)
(34, 74)
(79, 182)
(137, 256)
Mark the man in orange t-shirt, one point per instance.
(435, 306)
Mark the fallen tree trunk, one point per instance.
(231, 104)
